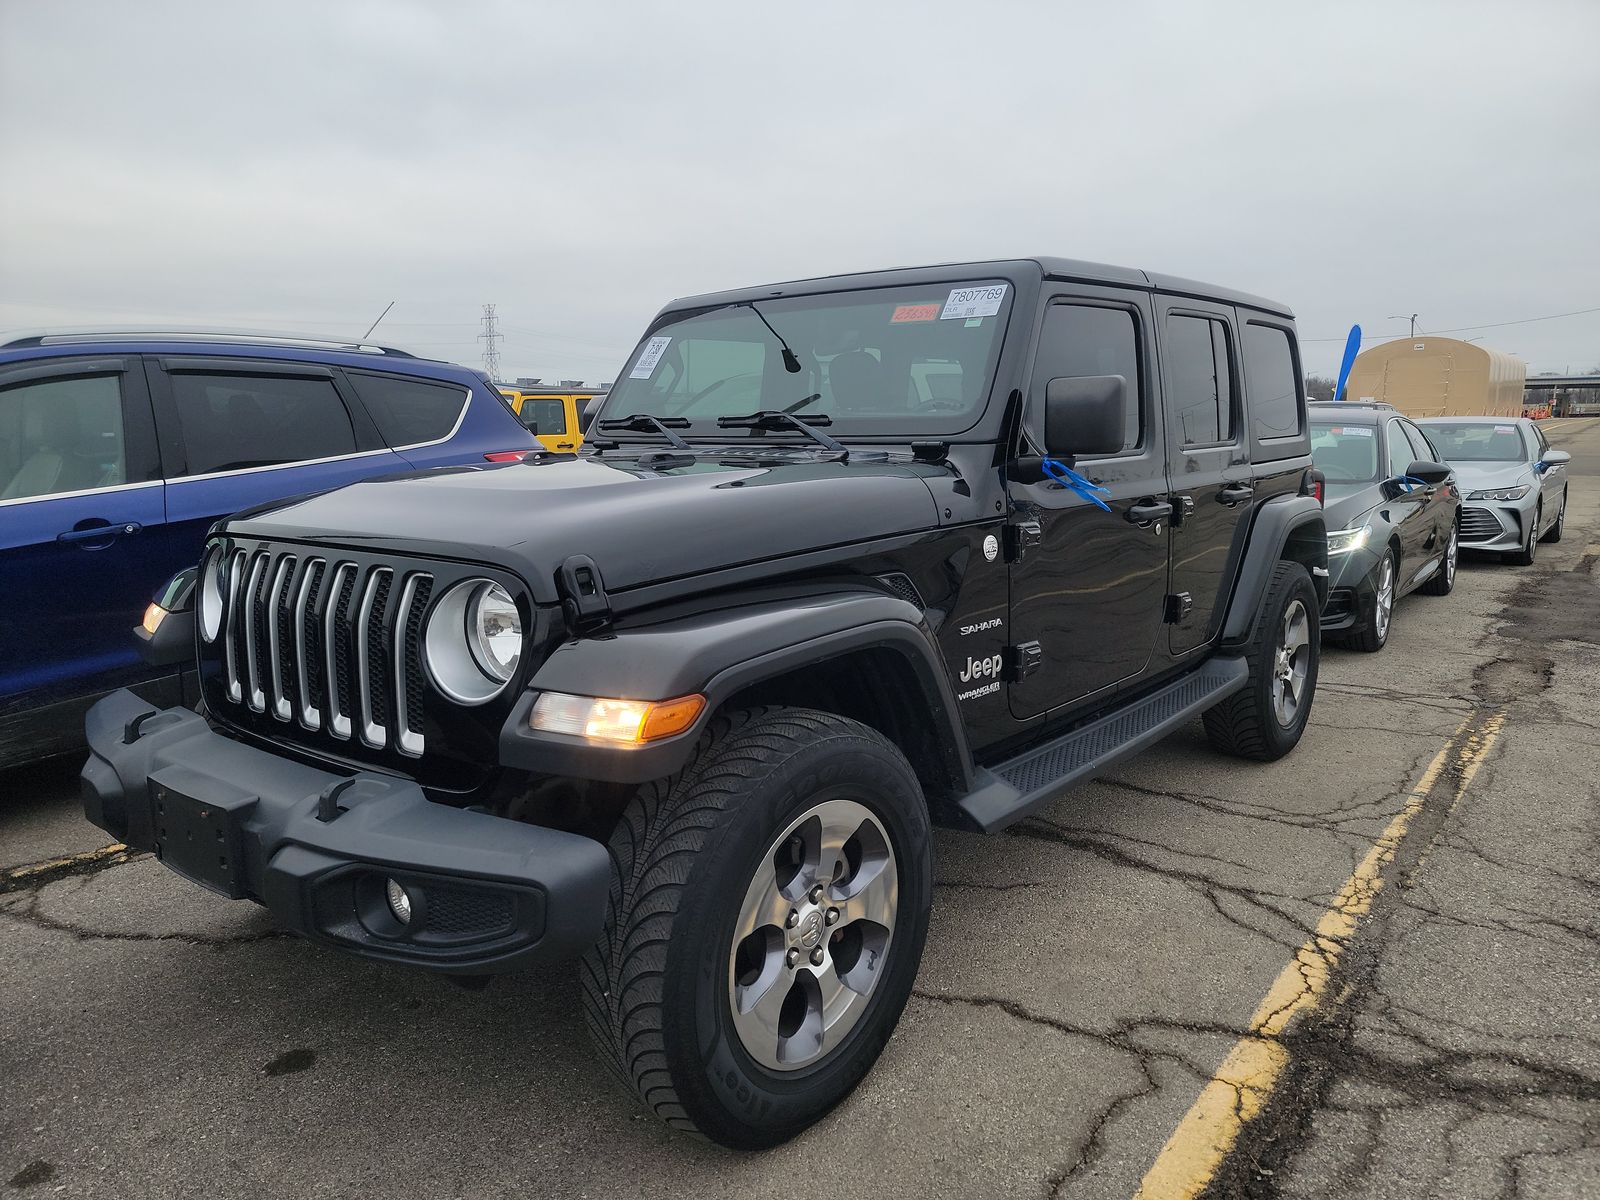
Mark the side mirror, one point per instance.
(1428, 471)
(1554, 458)
(166, 636)
(1085, 415)
(586, 417)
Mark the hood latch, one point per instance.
(583, 596)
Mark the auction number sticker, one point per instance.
(1354, 431)
(653, 350)
(963, 303)
(915, 312)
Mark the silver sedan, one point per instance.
(1513, 484)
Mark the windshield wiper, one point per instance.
(774, 420)
(799, 404)
(645, 423)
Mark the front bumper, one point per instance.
(1491, 525)
(488, 895)
(1351, 592)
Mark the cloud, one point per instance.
(299, 165)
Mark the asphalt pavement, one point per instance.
(1087, 977)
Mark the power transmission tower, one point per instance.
(490, 337)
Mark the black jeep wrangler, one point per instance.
(842, 558)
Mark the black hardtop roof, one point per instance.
(1047, 267)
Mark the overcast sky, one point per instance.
(298, 165)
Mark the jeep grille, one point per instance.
(331, 644)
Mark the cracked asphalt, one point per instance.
(1086, 975)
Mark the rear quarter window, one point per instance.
(409, 411)
(1273, 390)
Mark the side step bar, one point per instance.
(1011, 790)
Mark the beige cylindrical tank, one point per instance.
(1439, 377)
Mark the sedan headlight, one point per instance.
(1511, 493)
(1344, 541)
(474, 641)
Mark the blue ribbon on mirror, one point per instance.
(1072, 481)
(1410, 481)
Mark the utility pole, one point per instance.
(490, 337)
(1402, 317)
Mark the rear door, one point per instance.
(1090, 591)
(1208, 462)
(80, 504)
(241, 432)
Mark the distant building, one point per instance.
(1439, 377)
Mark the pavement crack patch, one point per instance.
(32, 876)
(29, 914)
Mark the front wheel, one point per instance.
(1530, 545)
(1372, 634)
(767, 915)
(1553, 534)
(1264, 719)
(1443, 581)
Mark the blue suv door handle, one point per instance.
(99, 533)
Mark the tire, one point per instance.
(1525, 556)
(1248, 723)
(1443, 581)
(693, 858)
(1372, 634)
(1553, 534)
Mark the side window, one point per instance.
(409, 411)
(61, 435)
(548, 417)
(231, 422)
(1400, 450)
(1200, 375)
(1420, 443)
(1275, 406)
(1079, 340)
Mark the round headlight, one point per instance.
(494, 631)
(473, 641)
(211, 584)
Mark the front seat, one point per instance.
(856, 380)
(53, 432)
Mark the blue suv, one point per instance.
(118, 451)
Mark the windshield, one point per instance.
(1478, 442)
(906, 361)
(1345, 453)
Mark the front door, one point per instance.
(80, 502)
(1090, 589)
(1208, 460)
(1409, 509)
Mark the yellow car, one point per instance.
(555, 415)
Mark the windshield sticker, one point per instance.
(972, 323)
(973, 302)
(915, 312)
(1353, 431)
(653, 350)
(1505, 428)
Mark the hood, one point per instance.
(1347, 503)
(1481, 476)
(638, 523)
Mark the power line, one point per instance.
(1466, 328)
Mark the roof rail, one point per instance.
(68, 337)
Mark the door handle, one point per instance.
(1148, 512)
(99, 533)
(1235, 493)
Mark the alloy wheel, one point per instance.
(1383, 602)
(811, 941)
(1291, 663)
(1451, 553)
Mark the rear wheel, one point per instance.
(767, 916)
(1443, 580)
(1530, 544)
(1264, 720)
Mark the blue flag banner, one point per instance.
(1352, 347)
(1071, 480)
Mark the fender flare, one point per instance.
(1278, 522)
(718, 653)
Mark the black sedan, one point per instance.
(1393, 515)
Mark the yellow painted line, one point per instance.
(52, 866)
(1245, 1080)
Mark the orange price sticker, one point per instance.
(914, 312)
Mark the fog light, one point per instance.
(399, 902)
